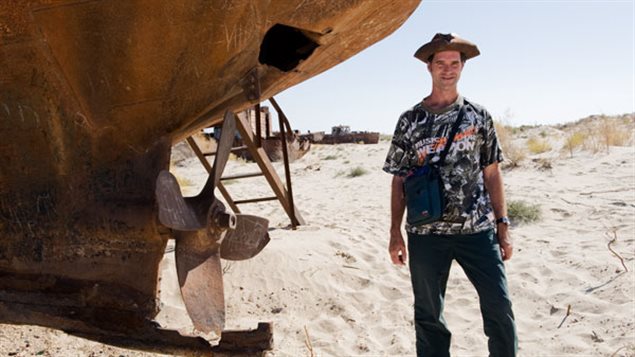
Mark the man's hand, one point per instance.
(493, 180)
(505, 242)
(397, 248)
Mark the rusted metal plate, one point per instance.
(94, 93)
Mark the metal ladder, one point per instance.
(253, 144)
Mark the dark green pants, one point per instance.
(479, 255)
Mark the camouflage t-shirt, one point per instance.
(475, 146)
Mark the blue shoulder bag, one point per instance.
(424, 188)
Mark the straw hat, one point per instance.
(447, 42)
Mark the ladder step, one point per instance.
(235, 177)
(274, 198)
(237, 148)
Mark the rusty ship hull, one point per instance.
(94, 93)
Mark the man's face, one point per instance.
(445, 69)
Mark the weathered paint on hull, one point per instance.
(93, 94)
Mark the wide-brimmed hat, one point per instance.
(447, 42)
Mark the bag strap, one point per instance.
(455, 128)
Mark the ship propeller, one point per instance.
(205, 232)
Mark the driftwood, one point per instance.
(565, 316)
(612, 241)
(307, 342)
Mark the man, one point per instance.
(474, 226)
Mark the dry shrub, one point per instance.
(523, 212)
(592, 143)
(608, 131)
(574, 141)
(358, 171)
(538, 146)
(514, 155)
(599, 132)
(543, 164)
(629, 124)
(612, 133)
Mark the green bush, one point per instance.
(358, 171)
(523, 212)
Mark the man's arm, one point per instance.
(397, 247)
(493, 180)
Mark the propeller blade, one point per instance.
(198, 224)
(174, 211)
(201, 279)
(223, 149)
(246, 240)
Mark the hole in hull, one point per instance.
(284, 47)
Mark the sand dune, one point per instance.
(331, 281)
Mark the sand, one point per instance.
(330, 284)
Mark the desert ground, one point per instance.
(329, 287)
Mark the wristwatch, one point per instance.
(504, 220)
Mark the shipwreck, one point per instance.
(93, 94)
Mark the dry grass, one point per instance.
(514, 155)
(574, 140)
(612, 133)
(600, 132)
(593, 143)
(543, 164)
(596, 133)
(523, 212)
(538, 145)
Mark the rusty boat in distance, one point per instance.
(92, 96)
(342, 134)
(272, 141)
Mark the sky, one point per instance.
(541, 62)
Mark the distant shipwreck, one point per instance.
(260, 120)
(342, 134)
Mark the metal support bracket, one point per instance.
(251, 84)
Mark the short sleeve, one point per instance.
(397, 158)
(490, 151)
